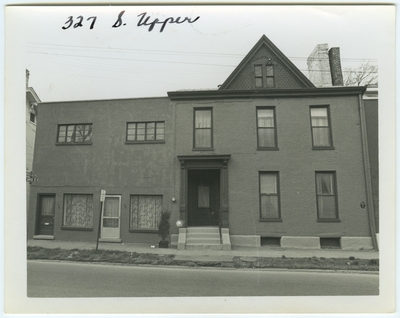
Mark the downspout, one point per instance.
(367, 173)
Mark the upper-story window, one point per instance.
(75, 133)
(320, 127)
(266, 128)
(264, 75)
(145, 132)
(203, 134)
(32, 113)
(32, 118)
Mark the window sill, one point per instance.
(329, 220)
(323, 148)
(143, 231)
(145, 142)
(76, 228)
(203, 149)
(268, 149)
(270, 220)
(73, 143)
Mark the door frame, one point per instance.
(39, 211)
(119, 217)
(192, 201)
(199, 162)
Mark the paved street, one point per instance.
(62, 279)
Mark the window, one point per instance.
(258, 75)
(269, 196)
(145, 132)
(77, 133)
(266, 132)
(264, 75)
(145, 211)
(270, 75)
(326, 196)
(203, 128)
(320, 127)
(32, 113)
(32, 118)
(78, 210)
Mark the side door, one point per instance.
(46, 210)
(110, 217)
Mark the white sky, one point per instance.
(130, 61)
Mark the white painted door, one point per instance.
(110, 221)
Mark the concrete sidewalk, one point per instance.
(209, 255)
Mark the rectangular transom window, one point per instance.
(326, 195)
(78, 210)
(203, 128)
(269, 195)
(74, 133)
(320, 127)
(145, 211)
(266, 130)
(145, 131)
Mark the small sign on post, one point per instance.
(102, 199)
(102, 195)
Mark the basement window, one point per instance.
(329, 242)
(271, 241)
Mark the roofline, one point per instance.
(30, 91)
(286, 62)
(267, 93)
(101, 100)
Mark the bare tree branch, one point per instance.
(365, 74)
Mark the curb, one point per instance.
(322, 271)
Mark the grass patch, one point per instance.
(133, 258)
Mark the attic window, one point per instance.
(264, 75)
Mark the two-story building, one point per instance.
(265, 159)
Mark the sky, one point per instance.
(129, 61)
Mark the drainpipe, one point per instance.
(367, 173)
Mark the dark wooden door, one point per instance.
(46, 215)
(204, 197)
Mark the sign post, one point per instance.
(102, 199)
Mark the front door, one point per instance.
(46, 211)
(110, 221)
(204, 197)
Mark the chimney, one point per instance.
(27, 77)
(318, 66)
(336, 67)
(324, 66)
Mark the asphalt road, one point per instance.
(63, 279)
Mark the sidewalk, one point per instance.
(210, 255)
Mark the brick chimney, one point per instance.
(336, 67)
(324, 66)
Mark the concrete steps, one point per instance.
(204, 237)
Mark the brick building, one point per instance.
(266, 159)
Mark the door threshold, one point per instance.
(110, 240)
(43, 237)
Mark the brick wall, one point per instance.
(235, 134)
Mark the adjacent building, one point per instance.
(268, 158)
(32, 100)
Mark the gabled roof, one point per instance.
(265, 43)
